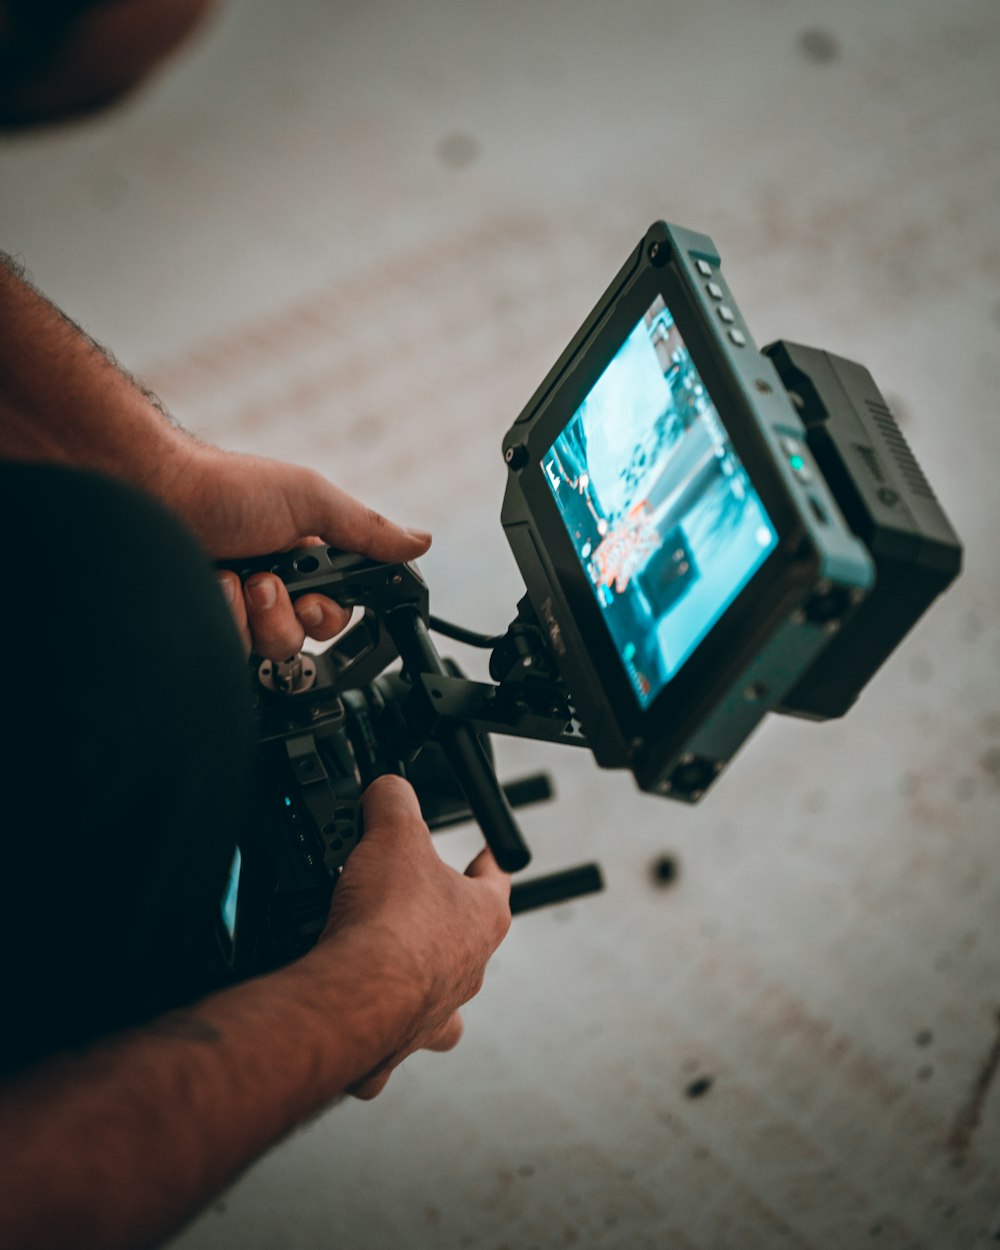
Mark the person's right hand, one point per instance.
(419, 932)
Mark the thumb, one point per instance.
(343, 521)
(391, 808)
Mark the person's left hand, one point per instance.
(240, 505)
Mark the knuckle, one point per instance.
(275, 642)
(376, 521)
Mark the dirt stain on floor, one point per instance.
(967, 1121)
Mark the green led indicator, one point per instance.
(797, 463)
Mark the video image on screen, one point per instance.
(664, 518)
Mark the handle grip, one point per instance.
(487, 800)
(462, 748)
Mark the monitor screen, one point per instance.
(662, 514)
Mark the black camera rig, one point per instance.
(707, 532)
(329, 723)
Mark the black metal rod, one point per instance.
(462, 748)
(536, 788)
(523, 791)
(556, 888)
(475, 775)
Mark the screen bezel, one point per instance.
(764, 600)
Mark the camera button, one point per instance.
(795, 452)
(704, 268)
(714, 290)
(738, 337)
(726, 313)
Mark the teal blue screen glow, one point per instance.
(663, 516)
(232, 895)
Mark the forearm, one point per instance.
(64, 401)
(116, 1147)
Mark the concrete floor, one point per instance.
(313, 180)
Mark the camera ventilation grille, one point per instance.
(900, 449)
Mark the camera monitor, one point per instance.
(678, 543)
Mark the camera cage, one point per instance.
(329, 726)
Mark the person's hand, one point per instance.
(420, 932)
(241, 505)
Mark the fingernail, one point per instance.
(422, 536)
(263, 593)
(311, 615)
(227, 587)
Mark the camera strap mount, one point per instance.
(294, 676)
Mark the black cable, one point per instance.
(460, 634)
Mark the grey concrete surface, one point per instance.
(357, 236)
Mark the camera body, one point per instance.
(706, 533)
